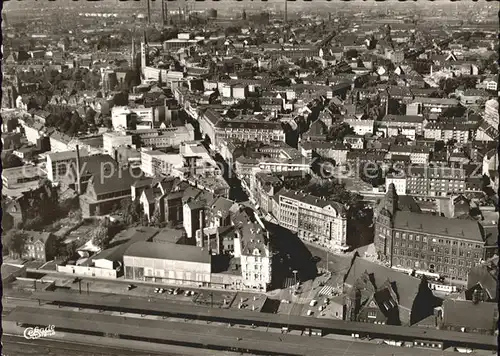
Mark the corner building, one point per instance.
(424, 242)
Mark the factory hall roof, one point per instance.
(155, 250)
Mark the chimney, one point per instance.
(163, 13)
(78, 187)
(286, 11)
(217, 236)
(202, 225)
(149, 12)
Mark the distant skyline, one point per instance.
(19, 5)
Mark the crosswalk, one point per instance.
(326, 290)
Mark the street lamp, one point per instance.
(295, 276)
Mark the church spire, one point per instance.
(132, 59)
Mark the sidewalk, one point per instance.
(142, 283)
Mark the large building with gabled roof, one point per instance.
(409, 239)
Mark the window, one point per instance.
(417, 238)
(372, 314)
(424, 238)
(410, 237)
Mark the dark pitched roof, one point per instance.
(438, 225)
(317, 128)
(407, 287)
(212, 116)
(34, 236)
(253, 237)
(115, 180)
(466, 314)
(223, 205)
(486, 275)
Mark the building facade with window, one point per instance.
(40, 246)
(252, 246)
(312, 218)
(167, 263)
(425, 242)
(429, 181)
(249, 130)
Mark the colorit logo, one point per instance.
(38, 333)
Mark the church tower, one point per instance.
(144, 52)
(384, 224)
(391, 199)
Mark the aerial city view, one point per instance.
(249, 178)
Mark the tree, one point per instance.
(337, 133)
(371, 174)
(156, 219)
(15, 242)
(100, 235)
(108, 123)
(336, 191)
(70, 249)
(34, 223)
(454, 111)
(90, 116)
(439, 146)
(120, 99)
(130, 210)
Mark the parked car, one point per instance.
(130, 287)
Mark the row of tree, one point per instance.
(42, 206)
(15, 241)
